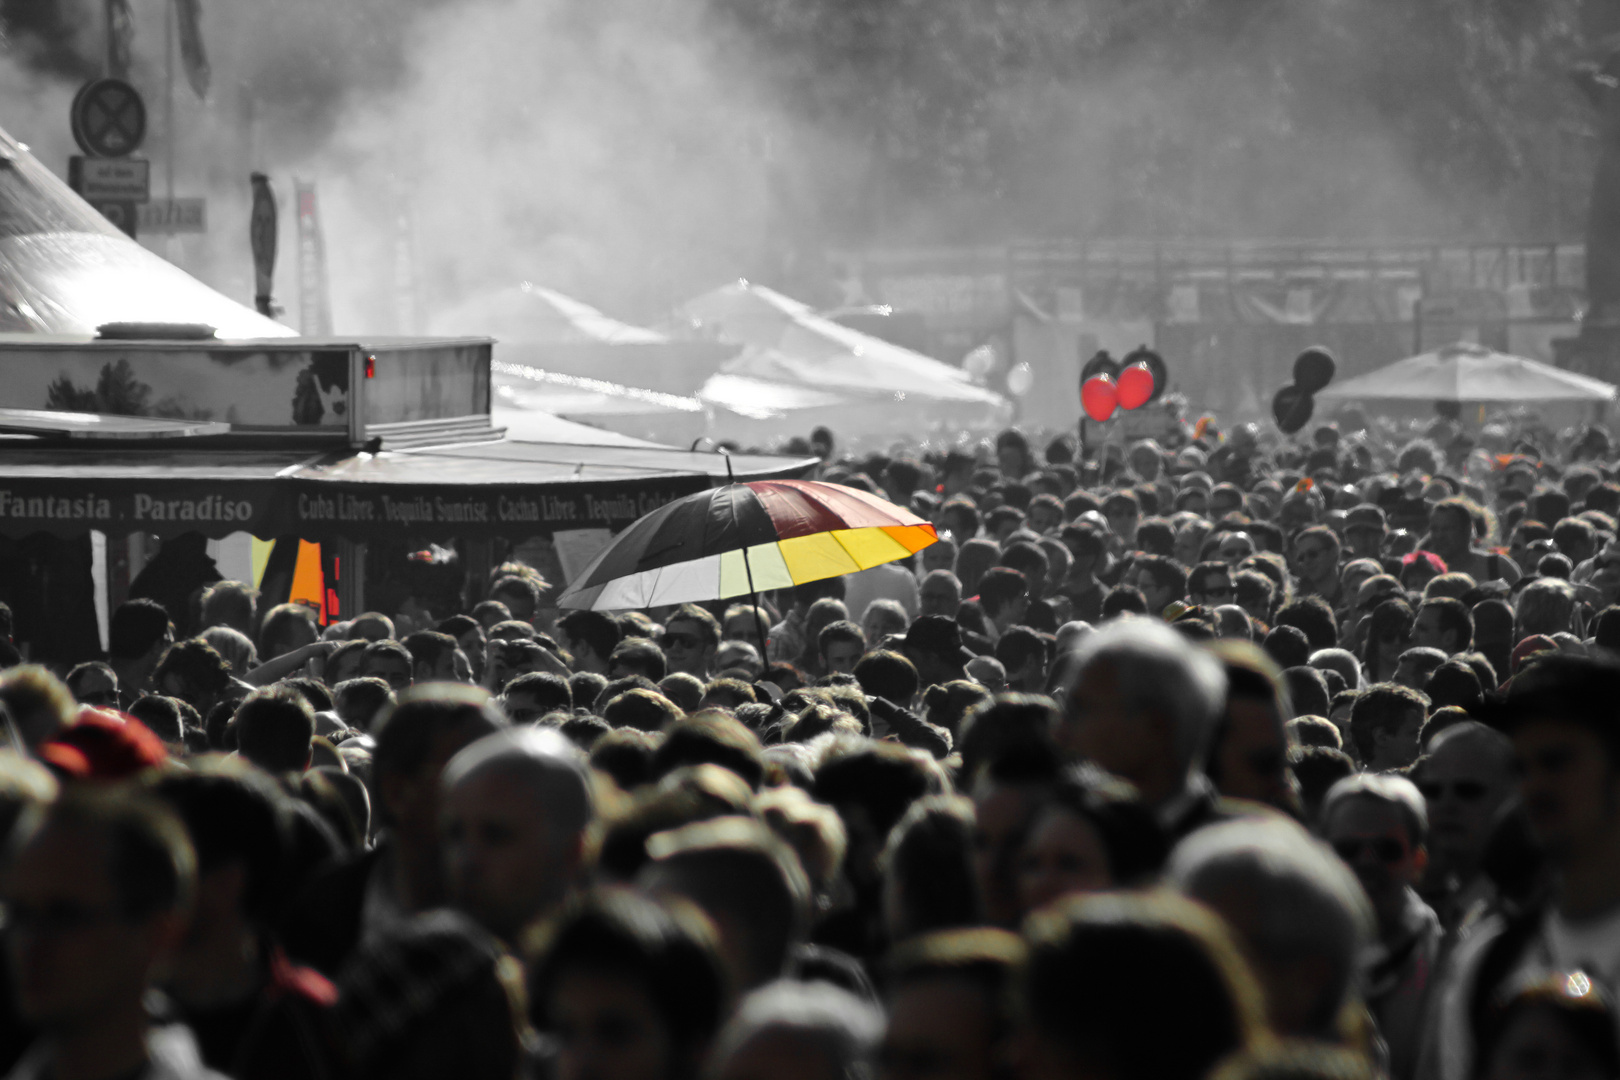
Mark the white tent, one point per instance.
(1471, 373)
(64, 269)
(536, 315)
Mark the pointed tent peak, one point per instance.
(535, 314)
(64, 269)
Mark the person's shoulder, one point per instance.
(175, 1055)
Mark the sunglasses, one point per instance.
(685, 641)
(1462, 790)
(1386, 849)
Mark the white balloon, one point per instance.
(1020, 379)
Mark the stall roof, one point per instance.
(1469, 372)
(504, 487)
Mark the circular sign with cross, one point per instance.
(109, 118)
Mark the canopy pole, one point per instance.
(753, 595)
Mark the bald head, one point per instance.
(517, 805)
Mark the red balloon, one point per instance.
(1135, 386)
(1099, 397)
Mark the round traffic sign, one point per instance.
(109, 118)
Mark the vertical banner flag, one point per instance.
(262, 235)
(314, 308)
(120, 32)
(188, 13)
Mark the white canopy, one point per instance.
(537, 315)
(1468, 372)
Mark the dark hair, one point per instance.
(586, 688)
(549, 690)
(1017, 646)
(1288, 646)
(709, 626)
(1000, 586)
(1122, 599)
(276, 622)
(149, 857)
(229, 603)
(195, 662)
(75, 677)
(274, 726)
(1136, 845)
(711, 739)
(882, 778)
(729, 692)
(1027, 559)
(406, 733)
(1382, 707)
(1454, 683)
(1314, 616)
(388, 648)
(842, 630)
(888, 675)
(929, 855)
(646, 710)
(582, 729)
(456, 625)
(428, 647)
(641, 656)
(370, 694)
(595, 629)
(1095, 961)
(947, 703)
(161, 715)
(311, 690)
(672, 956)
(136, 626)
(1307, 690)
(1454, 618)
(626, 754)
(233, 812)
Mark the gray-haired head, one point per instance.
(1293, 902)
(1158, 672)
(1397, 791)
(542, 758)
(811, 1018)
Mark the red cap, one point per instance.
(104, 745)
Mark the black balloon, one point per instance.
(1314, 369)
(1292, 408)
(1101, 364)
(1155, 363)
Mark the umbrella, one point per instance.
(742, 539)
(1467, 372)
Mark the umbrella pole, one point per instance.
(748, 571)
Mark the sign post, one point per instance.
(109, 124)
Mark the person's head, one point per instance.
(637, 656)
(1255, 594)
(792, 1030)
(286, 627)
(1545, 606)
(749, 884)
(948, 1004)
(1314, 616)
(436, 657)
(371, 626)
(521, 595)
(1378, 824)
(1414, 666)
(1307, 691)
(630, 989)
(1465, 779)
(275, 727)
(1560, 715)
(470, 639)
(1342, 661)
(1385, 722)
(534, 694)
(940, 594)
(1159, 579)
(691, 636)
(1444, 624)
(138, 632)
(1091, 833)
(193, 672)
(358, 701)
(929, 883)
(1452, 528)
(389, 661)
(1023, 653)
(590, 638)
(1454, 683)
(1561, 1025)
(415, 738)
(1314, 731)
(1299, 915)
(714, 739)
(1209, 584)
(1094, 964)
(1316, 554)
(1248, 754)
(1142, 704)
(516, 806)
(648, 710)
(1123, 513)
(97, 890)
(840, 645)
(229, 603)
(93, 683)
(887, 675)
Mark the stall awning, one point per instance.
(502, 488)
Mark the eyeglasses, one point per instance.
(1386, 849)
(1463, 790)
(685, 641)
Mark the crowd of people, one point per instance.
(1226, 756)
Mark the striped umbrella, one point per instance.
(744, 539)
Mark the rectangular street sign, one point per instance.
(126, 179)
(174, 216)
